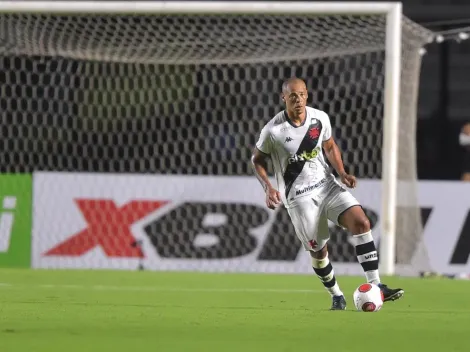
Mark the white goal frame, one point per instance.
(393, 12)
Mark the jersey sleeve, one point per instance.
(264, 143)
(327, 128)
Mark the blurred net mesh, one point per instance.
(182, 94)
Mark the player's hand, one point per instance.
(273, 198)
(348, 180)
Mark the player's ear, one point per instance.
(283, 97)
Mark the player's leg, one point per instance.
(343, 209)
(308, 222)
(355, 220)
(323, 268)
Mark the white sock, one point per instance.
(326, 274)
(367, 256)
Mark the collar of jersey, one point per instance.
(290, 122)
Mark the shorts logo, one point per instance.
(313, 244)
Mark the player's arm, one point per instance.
(259, 161)
(333, 154)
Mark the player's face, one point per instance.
(295, 97)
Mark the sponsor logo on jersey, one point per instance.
(305, 156)
(310, 188)
(288, 139)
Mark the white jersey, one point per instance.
(297, 154)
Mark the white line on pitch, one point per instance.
(159, 289)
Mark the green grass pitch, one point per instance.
(116, 311)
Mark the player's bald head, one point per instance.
(294, 94)
(292, 82)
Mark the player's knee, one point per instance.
(321, 254)
(361, 225)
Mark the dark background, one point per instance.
(444, 98)
(444, 106)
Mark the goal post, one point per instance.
(390, 138)
(392, 48)
(199, 7)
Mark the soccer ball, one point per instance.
(368, 298)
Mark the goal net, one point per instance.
(91, 97)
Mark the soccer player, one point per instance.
(294, 140)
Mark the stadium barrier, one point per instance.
(204, 223)
(15, 220)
